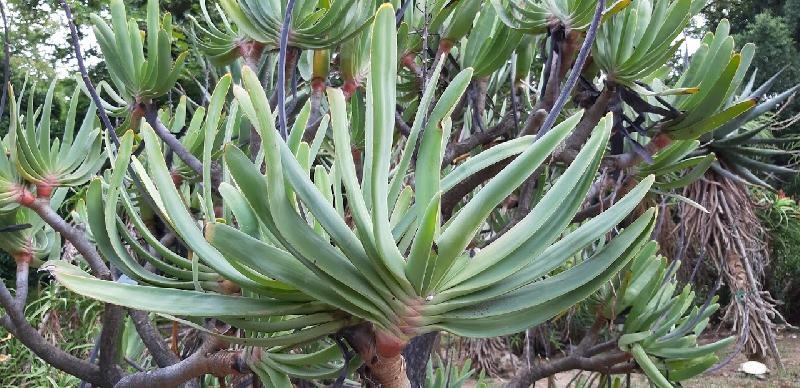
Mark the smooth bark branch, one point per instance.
(154, 342)
(78, 239)
(151, 115)
(292, 56)
(113, 319)
(604, 363)
(113, 315)
(533, 122)
(481, 138)
(401, 125)
(451, 198)
(385, 368)
(602, 348)
(8, 302)
(588, 356)
(553, 84)
(76, 47)
(591, 336)
(21, 297)
(577, 68)
(590, 118)
(631, 158)
(480, 88)
(282, 53)
(219, 363)
(565, 153)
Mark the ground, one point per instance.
(728, 377)
(788, 345)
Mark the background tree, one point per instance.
(772, 26)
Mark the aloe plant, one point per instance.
(66, 162)
(715, 86)
(661, 326)
(221, 44)
(536, 16)
(739, 147)
(400, 191)
(449, 20)
(295, 255)
(138, 77)
(12, 188)
(490, 43)
(746, 146)
(354, 61)
(635, 42)
(33, 241)
(677, 165)
(315, 24)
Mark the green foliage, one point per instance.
(535, 16)
(777, 48)
(739, 12)
(446, 375)
(747, 146)
(311, 29)
(36, 242)
(661, 324)
(68, 160)
(31, 31)
(63, 318)
(138, 76)
(791, 11)
(780, 216)
(635, 42)
(489, 42)
(773, 26)
(675, 167)
(324, 275)
(10, 182)
(295, 239)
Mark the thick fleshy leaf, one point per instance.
(171, 301)
(467, 222)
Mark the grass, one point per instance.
(62, 318)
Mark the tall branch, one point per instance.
(590, 118)
(112, 315)
(203, 361)
(284, 42)
(151, 115)
(162, 355)
(605, 363)
(113, 319)
(455, 150)
(23, 270)
(101, 112)
(76, 46)
(41, 207)
(583, 54)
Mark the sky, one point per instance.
(58, 36)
